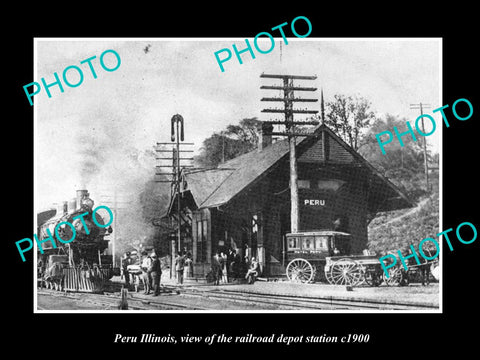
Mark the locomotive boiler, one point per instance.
(80, 264)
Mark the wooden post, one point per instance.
(288, 95)
(294, 216)
(123, 305)
(425, 160)
(288, 100)
(114, 245)
(422, 106)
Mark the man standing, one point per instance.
(179, 267)
(216, 269)
(125, 262)
(146, 279)
(156, 273)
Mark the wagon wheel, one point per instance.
(328, 275)
(346, 272)
(395, 276)
(300, 270)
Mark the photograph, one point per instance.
(171, 176)
(295, 182)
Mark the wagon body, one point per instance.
(306, 253)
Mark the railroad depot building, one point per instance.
(244, 203)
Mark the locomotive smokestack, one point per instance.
(72, 205)
(61, 208)
(80, 195)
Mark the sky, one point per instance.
(95, 135)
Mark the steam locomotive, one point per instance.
(78, 265)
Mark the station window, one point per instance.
(201, 240)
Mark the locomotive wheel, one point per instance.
(346, 272)
(300, 270)
(395, 276)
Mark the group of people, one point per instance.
(151, 272)
(229, 264)
(226, 265)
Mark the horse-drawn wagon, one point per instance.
(325, 255)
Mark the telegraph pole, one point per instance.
(420, 107)
(177, 137)
(290, 130)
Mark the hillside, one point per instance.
(396, 230)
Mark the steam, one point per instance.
(116, 170)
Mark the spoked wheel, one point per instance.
(300, 270)
(395, 276)
(346, 272)
(328, 275)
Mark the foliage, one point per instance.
(404, 166)
(228, 144)
(386, 233)
(245, 131)
(348, 116)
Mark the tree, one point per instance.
(228, 144)
(404, 167)
(348, 116)
(401, 164)
(246, 131)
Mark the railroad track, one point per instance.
(289, 302)
(223, 299)
(111, 301)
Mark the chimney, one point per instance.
(264, 135)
